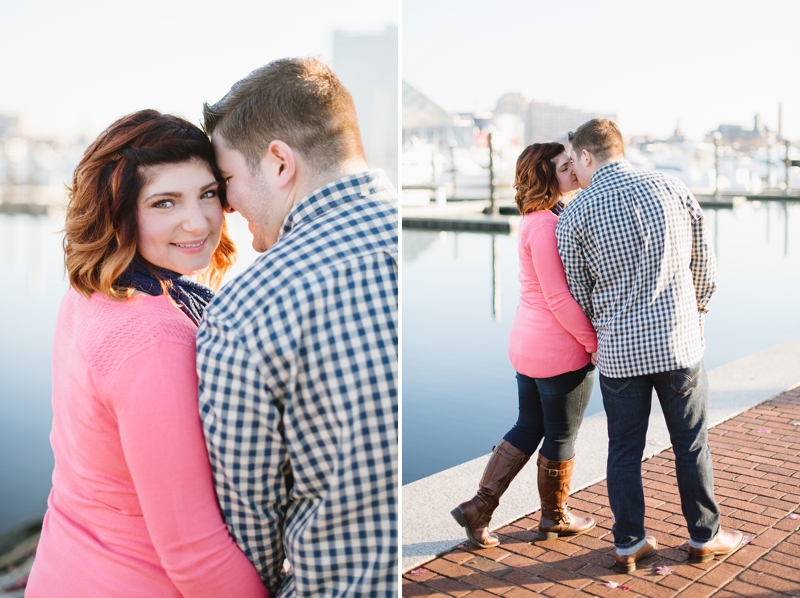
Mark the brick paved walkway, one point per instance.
(757, 478)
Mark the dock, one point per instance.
(469, 214)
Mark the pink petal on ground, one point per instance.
(794, 516)
(663, 570)
(624, 587)
(795, 423)
(764, 431)
(420, 571)
(747, 539)
(611, 584)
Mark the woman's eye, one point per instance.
(164, 203)
(210, 193)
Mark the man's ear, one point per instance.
(280, 162)
(586, 158)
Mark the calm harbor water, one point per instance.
(460, 292)
(31, 267)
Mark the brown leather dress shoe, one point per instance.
(724, 544)
(627, 563)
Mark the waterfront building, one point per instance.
(544, 121)
(425, 121)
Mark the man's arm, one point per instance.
(341, 432)
(703, 263)
(579, 279)
(241, 407)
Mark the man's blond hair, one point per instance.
(600, 137)
(296, 100)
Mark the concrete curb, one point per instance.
(428, 529)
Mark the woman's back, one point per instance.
(132, 511)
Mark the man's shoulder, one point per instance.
(307, 257)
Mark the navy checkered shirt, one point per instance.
(297, 360)
(638, 261)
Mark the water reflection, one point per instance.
(31, 268)
(460, 292)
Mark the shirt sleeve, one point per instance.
(552, 278)
(576, 268)
(703, 264)
(299, 404)
(242, 404)
(162, 438)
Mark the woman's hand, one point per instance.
(594, 358)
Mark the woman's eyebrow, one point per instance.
(177, 193)
(164, 194)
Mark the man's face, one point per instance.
(252, 194)
(580, 167)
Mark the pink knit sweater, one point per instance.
(132, 512)
(550, 335)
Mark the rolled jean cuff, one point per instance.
(632, 548)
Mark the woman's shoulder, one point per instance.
(536, 221)
(109, 330)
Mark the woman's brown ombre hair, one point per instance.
(536, 181)
(101, 224)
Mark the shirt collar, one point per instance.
(609, 169)
(324, 199)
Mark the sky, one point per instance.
(70, 68)
(701, 62)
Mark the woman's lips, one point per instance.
(191, 247)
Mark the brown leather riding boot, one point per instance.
(556, 520)
(474, 515)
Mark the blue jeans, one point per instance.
(683, 395)
(551, 408)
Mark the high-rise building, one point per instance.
(367, 65)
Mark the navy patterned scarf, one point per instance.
(190, 296)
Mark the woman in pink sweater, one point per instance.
(133, 511)
(550, 346)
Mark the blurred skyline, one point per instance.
(697, 64)
(70, 69)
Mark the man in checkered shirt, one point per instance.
(639, 263)
(297, 357)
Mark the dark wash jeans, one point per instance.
(683, 395)
(551, 408)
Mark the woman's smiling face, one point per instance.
(179, 216)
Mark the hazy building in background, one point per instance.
(367, 65)
(424, 120)
(31, 169)
(747, 139)
(543, 121)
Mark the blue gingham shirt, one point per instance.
(638, 261)
(297, 360)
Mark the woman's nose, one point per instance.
(195, 218)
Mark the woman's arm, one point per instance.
(155, 400)
(553, 280)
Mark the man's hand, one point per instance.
(594, 358)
